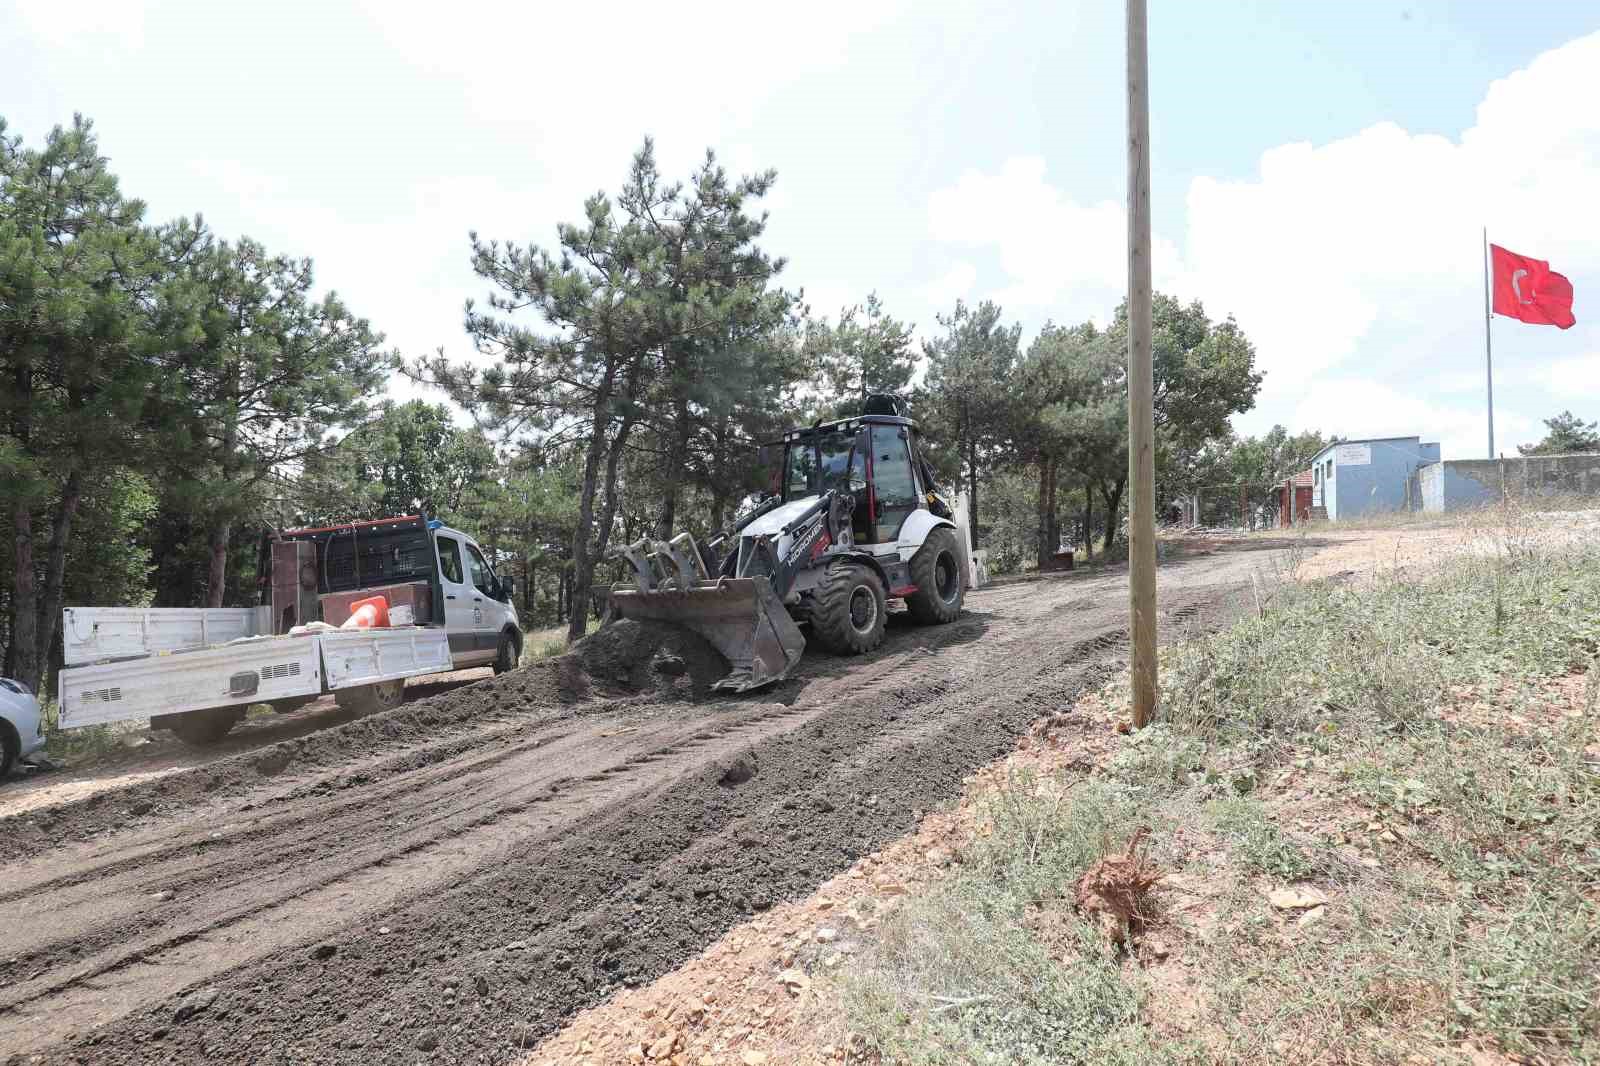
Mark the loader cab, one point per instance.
(873, 458)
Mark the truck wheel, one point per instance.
(199, 729)
(368, 699)
(848, 613)
(507, 655)
(936, 571)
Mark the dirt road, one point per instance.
(447, 882)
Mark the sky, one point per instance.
(1322, 172)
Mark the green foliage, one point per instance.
(1531, 977)
(262, 370)
(1257, 842)
(1429, 709)
(78, 278)
(621, 380)
(1565, 434)
(867, 352)
(669, 351)
(992, 966)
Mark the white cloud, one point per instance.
(86, 22)
(1055, 253)
(954, 284)
(1577, 378)
(1354, 408)
(1361, 256)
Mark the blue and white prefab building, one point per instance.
(1364, 477)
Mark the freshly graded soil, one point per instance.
(449, 881)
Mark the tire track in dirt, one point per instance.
(593, 846)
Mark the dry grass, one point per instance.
(1378, 806)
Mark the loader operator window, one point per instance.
(817, 463)
(892, 481)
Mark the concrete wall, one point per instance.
(1459, 483)
(1430, 485)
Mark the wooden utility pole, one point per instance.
(1141, 412)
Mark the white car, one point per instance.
(21, 724)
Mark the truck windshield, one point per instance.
(816, 463)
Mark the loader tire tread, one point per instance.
(936, 571)
(850, 609)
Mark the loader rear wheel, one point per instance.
(848, 613)
(936, 571)
(367, 699)
(201, 729)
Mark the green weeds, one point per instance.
(1412, 748)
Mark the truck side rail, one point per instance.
(95, 634)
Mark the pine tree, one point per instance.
(970, 389)
(264, 374)
(866, 353)
(78, 272)
(1567, 434)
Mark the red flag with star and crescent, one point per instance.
(1527, 289)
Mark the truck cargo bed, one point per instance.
(248, 670)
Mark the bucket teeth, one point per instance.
(741, 617)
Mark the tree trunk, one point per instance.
(582, 563)
(217, 574)
(222, 524)
(9, 663)
(1053, 513)
(677, 461)
(527, 586)
(24, 639)
(1043, 532)
(972, 491)
(608, 514)
(1113, 498)
(24, 598)
(56, 568)
(1088, 521)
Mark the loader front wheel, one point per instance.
(200, 729)
(848, 613)
(936, 571)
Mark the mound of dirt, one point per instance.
(636, 656)
(623, 659)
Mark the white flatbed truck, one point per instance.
(195, 671)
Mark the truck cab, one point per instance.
(440, 576)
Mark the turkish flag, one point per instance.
(1529, 290)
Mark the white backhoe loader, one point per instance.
(856, 521)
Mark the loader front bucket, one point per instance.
(740, 616)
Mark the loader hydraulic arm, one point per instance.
(824, 524)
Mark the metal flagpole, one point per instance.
(1488, 356)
